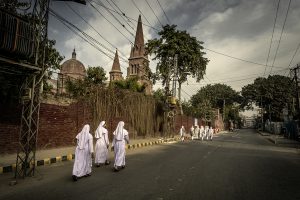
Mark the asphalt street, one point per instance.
(239, 165)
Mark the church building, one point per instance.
(138, 62)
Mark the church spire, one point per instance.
(116, 64)
(139, 36)
(138, 49)
(116, 73)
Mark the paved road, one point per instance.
(240, 165)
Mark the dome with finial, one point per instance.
(73, 67)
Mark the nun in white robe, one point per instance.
(102, 144)
(202, 132)
(120, 137)
(197, 132)
(211, 133)
(83, 154)
(182, 133)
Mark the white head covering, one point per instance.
(119, 133)
(99, 130)
(83, 136)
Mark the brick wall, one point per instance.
(58, 126)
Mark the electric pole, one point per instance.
(296, 70)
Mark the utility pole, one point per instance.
(175, 76)
(296, 70)
(224, 110)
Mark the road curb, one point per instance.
(69, 157)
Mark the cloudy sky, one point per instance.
(237, 28)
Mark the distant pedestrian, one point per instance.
(196, 132)
(102, 145)
(211, 133)
(83, 154)
(206, 132)
(202, 132)
(120, 137)
(192, 131)
(182, 133)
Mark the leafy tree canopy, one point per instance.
(216, 94)
(131, 84)
(189, 50)
(95, 77)
(272, 94)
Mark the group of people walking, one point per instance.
(198, 133)
(84, 152)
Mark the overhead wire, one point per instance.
(98, 33)
(118, 19)
(287, 12)
(272, 35)
(163, 11)
(84, 35)
(116, 5)
(141, 13)
(110, 22)
(154, 13)
(292, 59)
(125, 15)
(240, 59)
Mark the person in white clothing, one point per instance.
(192, 131)
(206, 132)
(202, 132)
(83, 154)
(120, 137)
(102, 145)
(182, 133)
(196, 132)
(211, 133)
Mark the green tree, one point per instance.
(215, 96)
(190, 60)
(52, 63)
(272, 94)
(79, 88)
(131, 84)
(96, 76)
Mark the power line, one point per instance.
(154, 13)
(163, 12)
(118, 19)
(86, 37)
(110, 22)
(272, 35)
(241, 59)
(287, 12)
(141, 12)
(293, 56)
(123, 15)
(96, 32)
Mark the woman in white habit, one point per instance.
(211, 133)
(83, 154)
(182, 133)
(102, 144)
(120, 136)
(202, 132)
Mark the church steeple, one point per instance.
(116, 63)
(116, 73)
(138, 61)
(74, 54)
(139, 36)
(138, 50)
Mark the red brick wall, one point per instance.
(58, 126)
